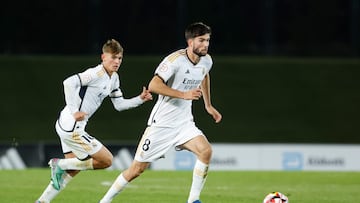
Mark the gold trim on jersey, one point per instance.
(176, 54)
(100, 72)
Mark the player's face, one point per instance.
(200, 45)
(111, 62)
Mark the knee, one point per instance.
(107, 161)
(206, 154)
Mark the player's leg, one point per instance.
(50, 192)
(200, 146)
(135, 170)
(99, 160)
(63, 170)
(90, 153)
(83, 146)
(152, 146)
(102, 159)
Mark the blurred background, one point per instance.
(284, 71)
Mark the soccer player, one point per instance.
(181, 77)
(84, 93)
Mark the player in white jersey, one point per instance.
(181, 77)
(84, 93)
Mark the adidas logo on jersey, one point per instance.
(187, 71)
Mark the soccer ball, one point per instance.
(276, 197)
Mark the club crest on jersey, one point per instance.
(163, 67)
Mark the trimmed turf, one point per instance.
(18, 186)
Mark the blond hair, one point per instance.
(112, 46)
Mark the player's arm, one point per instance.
(120, 103)
(158, 86)
(205, 87)
(72, 86)
(71, 90)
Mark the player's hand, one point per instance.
(214, 113)
(193, 94)
(79, 116)
(146, 95)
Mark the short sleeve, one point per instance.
(166, 69)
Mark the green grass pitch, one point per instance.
(19, 186)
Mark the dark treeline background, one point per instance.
(284, 70)
(258, 27)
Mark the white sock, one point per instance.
(115, 189)
(199, 178)
(50, 192)
(76, 164)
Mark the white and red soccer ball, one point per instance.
(276, 197)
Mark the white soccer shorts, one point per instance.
(79, 142)
(156, 141)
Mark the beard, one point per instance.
(199, 53)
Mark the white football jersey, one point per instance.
(178, 72)
(85, 92)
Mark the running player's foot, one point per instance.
(56, 173)
(37, 201)
(196, 201)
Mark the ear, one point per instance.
(190, 42)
